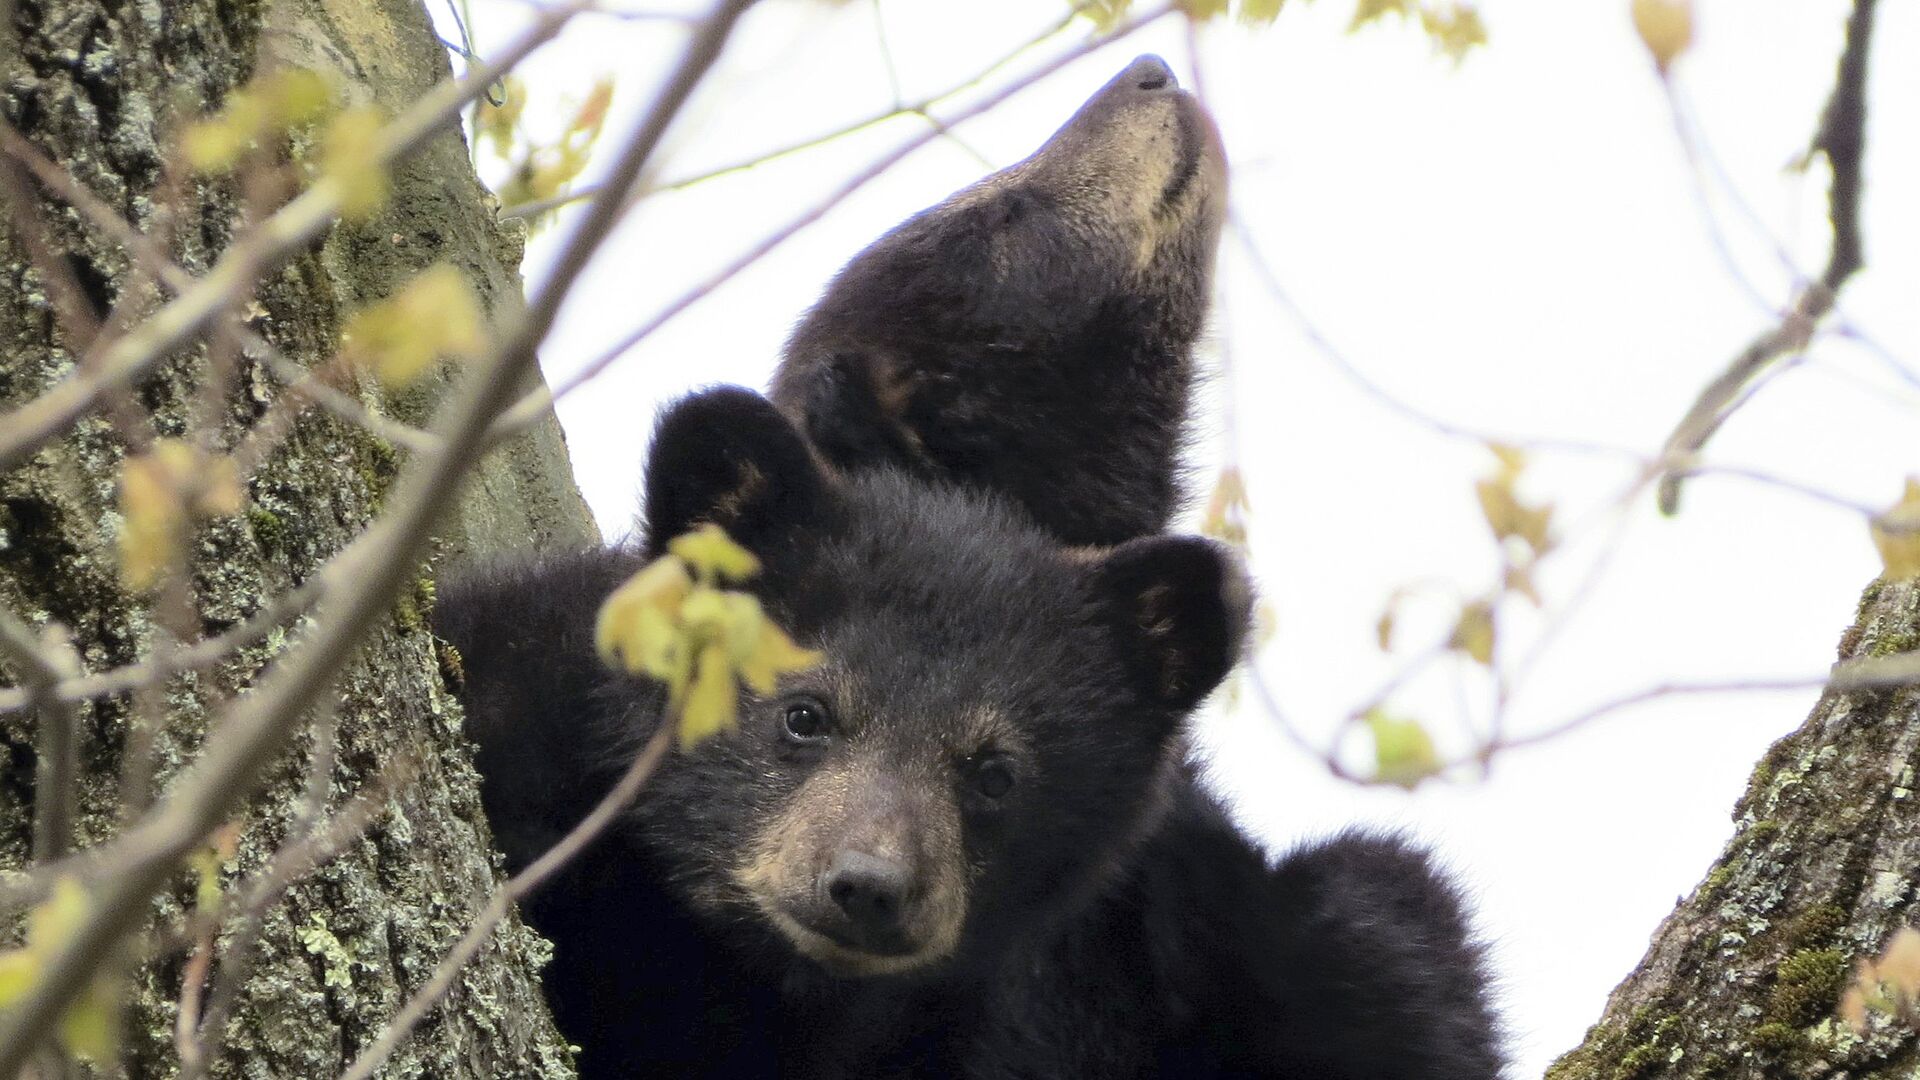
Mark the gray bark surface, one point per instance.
(97, 85)
(1743, 978)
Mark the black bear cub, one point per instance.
(966, 844)
(1033, 334)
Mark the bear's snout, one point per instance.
(869, 895)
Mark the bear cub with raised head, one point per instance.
(966, 844)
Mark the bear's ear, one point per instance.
(1179, 607)
(727, 457)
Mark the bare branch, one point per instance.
(26, 429)
(42, 662)
(1842, 139)
(922, 108)
(71, 308)
(537, 403)
(76, 688)
(361, 583)
(590, 827)
(292, 863)
(308, 386)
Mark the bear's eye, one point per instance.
(804, 722)
(992, 776)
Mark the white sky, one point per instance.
(1513, 246)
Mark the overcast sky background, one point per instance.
(1513, 245)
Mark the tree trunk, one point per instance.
(1743, 978)
(98, 86)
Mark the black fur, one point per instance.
(1015, 340)
(1001, 377)
(1117, 925)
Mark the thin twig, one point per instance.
(296, 859)
(1649, 694)
(41, 662)
(72, 310)
(307, 385)
(1842, 139)
(441, 982)
(362, 582)
(922, 108)
(24, 430)
(1264, 272)
(180, 658)
(538, 403)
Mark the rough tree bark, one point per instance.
(1743, 978)
(96, 85)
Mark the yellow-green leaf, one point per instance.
(160, 491)
(273, 103)
(774, 654)
(1473, 634)
(206, 864)
(496, 123)
(435, 315)
(1899, 965)
(1519, 580)
(1266, 624)
(349, 158)
(1403, 751)
(1665, 27)
(711, 552)
(1455, 30)
(53, 920)
(706, 615)
(299, 96)
(214, 146)
(1197, 10)
(1260, 12)
(19, 971)
(90, 1029)
(1512, 459)
(1506, 514)
(636, 628)
(711, 700)
(1107, 14)
(1367, 11)
(152, 518)
(1897, 534)
(1227, 507)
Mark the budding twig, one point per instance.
(279, 237)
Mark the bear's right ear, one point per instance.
(1179, 608)
(727, 457)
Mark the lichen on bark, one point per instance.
(1743, 978)
(98, 85)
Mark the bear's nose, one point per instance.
(871, 891)
(1149, 72)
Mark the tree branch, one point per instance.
(520, 885)
(921, 108)
(537, 403)
(1842, 139)
(27, 428)
(41, 663)
(77, 688)
(360, 585)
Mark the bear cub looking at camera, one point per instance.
(966, 844)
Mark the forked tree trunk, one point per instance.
(1743, 978)
(96, 84)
